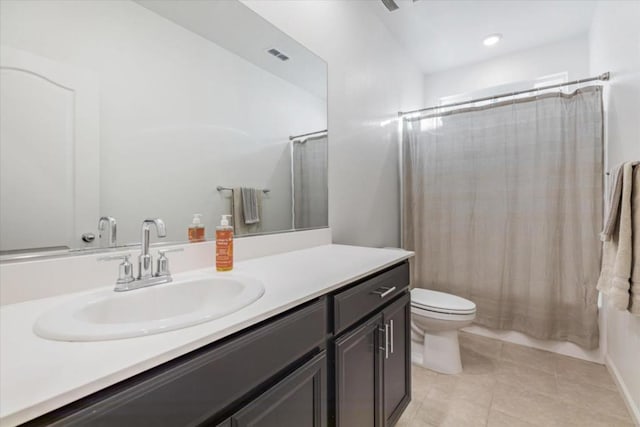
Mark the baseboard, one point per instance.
(634, 410)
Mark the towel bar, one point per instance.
(221, 188)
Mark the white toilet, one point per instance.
(435, 320)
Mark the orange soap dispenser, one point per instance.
(224, 245)
(196, 229)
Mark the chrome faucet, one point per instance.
(145, 262)
(110, 222)
(145, 277)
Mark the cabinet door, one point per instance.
(397, 359)
(358, 376)
(299, 400)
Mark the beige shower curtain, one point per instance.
(503, 206)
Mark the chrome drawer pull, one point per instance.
(386, 341)
(384, 291)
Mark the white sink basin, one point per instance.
(106, 315)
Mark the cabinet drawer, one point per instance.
(196, 387)
(357, 302)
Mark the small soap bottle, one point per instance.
(224, 245)
(196, 229)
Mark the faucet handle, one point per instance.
(163, 262)
(125, 272)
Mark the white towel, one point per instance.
(619, 260)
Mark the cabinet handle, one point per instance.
(386, 341)
(384, 291)
(391, 339)
(383, 331)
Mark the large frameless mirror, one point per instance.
(154, 108)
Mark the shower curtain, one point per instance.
(309, 181)
(503, 205)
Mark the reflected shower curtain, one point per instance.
(503, 205)
(309, 180)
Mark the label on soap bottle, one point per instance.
(224, 250)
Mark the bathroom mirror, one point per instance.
(137, 109)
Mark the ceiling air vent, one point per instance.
(281, 56)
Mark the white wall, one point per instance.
(615, 47)
(571, 55)
(370, 80)
(179, 114)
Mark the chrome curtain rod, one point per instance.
(291, 138)
(221, 188)
(602, 77)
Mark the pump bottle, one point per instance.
(224, 245)
(196, 229)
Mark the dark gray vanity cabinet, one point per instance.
(340, 360)
(372, 360)
(296, 401)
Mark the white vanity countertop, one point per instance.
(38, 375)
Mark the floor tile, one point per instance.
(409, 414)
(476, 389)
(479, 355)
(477, 364)
(524, 377)
(500, 419)
(480, 345)
(507, 385)
(583, 372)
(538, 359)
(527, 405)
(453, 413)
(595, 398)
(441, 387)
(575, 416)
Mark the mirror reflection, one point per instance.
(116, 111)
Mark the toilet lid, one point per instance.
(441, 302)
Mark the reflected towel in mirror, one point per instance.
(250, 212)
(240, 226)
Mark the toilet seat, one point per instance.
(425, 300)
(461, 317)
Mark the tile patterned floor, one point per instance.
(508, 385)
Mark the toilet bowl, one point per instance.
(435, 320)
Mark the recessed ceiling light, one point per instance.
(492, 39)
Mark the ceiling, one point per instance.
(444, 34)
